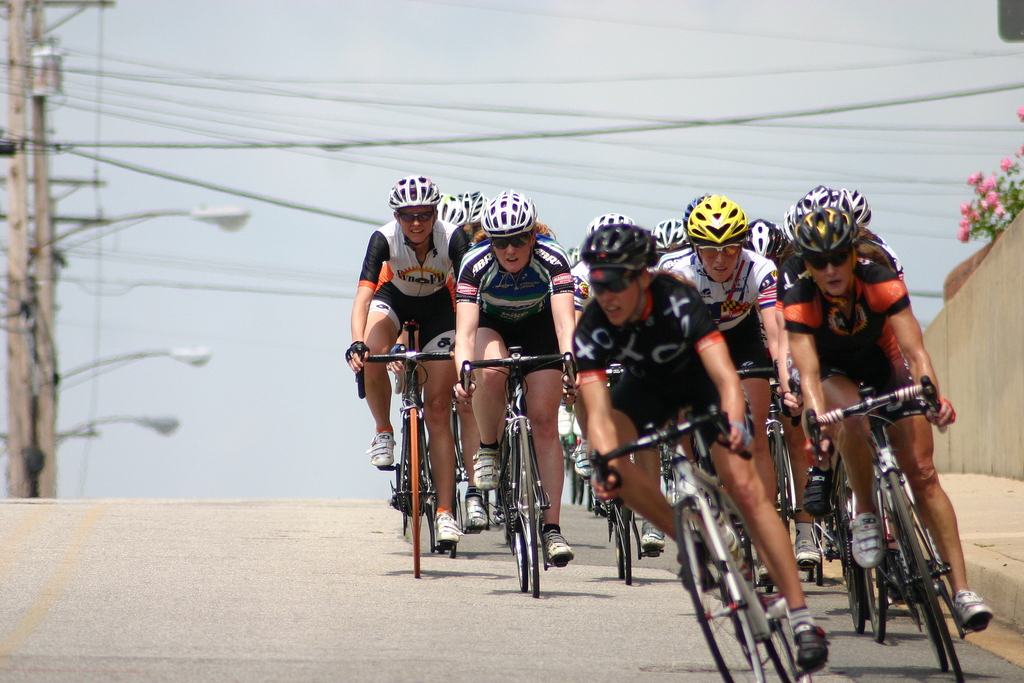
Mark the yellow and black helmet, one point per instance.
(715, 222)
(824, 230)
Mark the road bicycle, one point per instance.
(747, 641)
(413, 492)
(912, 566)
(521, 496)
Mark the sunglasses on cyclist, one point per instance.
(821, 262)
(729, 249)
(615, 286)
(516, 241)
(411, 217)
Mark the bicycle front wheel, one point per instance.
(785, 491)
(415, 482)
(911, 540)
(524, 491)
(724, 621)
(623, 552)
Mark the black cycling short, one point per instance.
(745, 344)
(650, 402)
(534, 333)
(435, 314)
(883, 378)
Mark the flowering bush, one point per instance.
(998, 199)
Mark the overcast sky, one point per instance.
(275, 414)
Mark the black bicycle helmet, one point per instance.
(619, 246)
(824, 230)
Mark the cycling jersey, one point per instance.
(752, 285)
(674, 325)
(668, 259)
(580, 285)
(390, 257)
(513, 296)
(862, 346)
(662, 371)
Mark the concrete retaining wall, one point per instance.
(977, 347)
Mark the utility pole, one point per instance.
(43, 463)
(19, 399)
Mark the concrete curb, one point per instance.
(1000, 580)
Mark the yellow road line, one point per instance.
(37, 612)
(14, 543)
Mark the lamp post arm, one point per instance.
(123, 358)
(100, 222)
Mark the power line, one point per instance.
(226, 190)
(539, 135)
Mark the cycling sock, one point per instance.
(803, 530)
(381, 430)
(472, 491)
(489, 445)
(441, 511)
(552, 527)
(799, 616)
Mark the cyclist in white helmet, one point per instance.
(670, 237)
(514, 289)
(405, 276)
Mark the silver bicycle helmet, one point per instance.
(414, 190)
(508, 214)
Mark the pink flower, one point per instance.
(1006, 164)
(976, 178)
(1000, 210)
(992, 198)
(988, 184)
(974, 216)
(965, 209)
(1020, 113)
(964, 233)
(984, 204)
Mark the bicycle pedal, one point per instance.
(652, 553)
(387, 468)
(445, 546)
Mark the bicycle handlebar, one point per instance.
(757, 373)
(398, 354)
(925, 390)
(567, 360)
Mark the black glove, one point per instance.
(357, 348)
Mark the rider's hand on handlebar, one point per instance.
(794, 402)
(605, 481)
(354, 355)
(821, 455)
(945, 415)
(463, 396)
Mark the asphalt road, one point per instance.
(323, 591)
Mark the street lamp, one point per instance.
(227, 218)
(195, 356)
(162, 425)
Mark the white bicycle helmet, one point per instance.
(608, 219)
(451, 210)
(766, 238)
(670, 234)
(414, 190)
(859, 207)
(508, 214)
(474, 204)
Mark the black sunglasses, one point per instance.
(615, 286)
(821, 262)
(421, 217)
(516, 241)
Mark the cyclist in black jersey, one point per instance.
(658, 328)
(849, 322)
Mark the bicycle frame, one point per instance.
(520, 491)
(413, 495)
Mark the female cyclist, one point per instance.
(514, 289)
(405, 276)
(738, 287)
(849, 322)
(659, 329)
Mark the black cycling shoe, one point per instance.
(818, 492)
(811, 647)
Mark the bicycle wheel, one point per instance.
(523, 513)
(785, 492)
(877, 595)
(723, 620)
(910, 538)
(415, 480)
(623, 517)
(853, 574)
